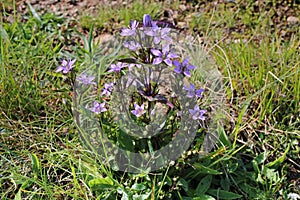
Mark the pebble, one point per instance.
(292, 19)
(182, 7)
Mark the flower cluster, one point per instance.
(152, 44)
(148, 43)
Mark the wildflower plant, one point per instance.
(144, 111)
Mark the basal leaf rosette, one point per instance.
(148, 106)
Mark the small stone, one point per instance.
(283, 32)
(292, 19)
(182, 7)
(181, 24)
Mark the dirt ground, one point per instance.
(284, 14)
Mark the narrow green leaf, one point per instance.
(34, 13)
(206, 170)
(90, 39)
(101, 183)
(184, 184)
(261, 158)
(3, 34)
(224, 183)
(223, 138)
(255, 166)
(35, 164)
(18, 195)
(222, 194)
(279, 160)
(204, 197)
(204, 185)
(138, 186)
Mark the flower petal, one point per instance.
(157, 60)
(156, 52)
(165, 31)
(190, 67)
(150, 32)
(165, 49)
(147, 21)
(178, 70)
(59, 69)
(185, 62)
(187, 73)
(176, 63)
(172, 55)
(168, 62)
(199, 92)
(134, 24)
(156, 40)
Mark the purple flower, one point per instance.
(163, 55)
(138, 110)
(116, 67)
(198, 93)
(197, 113)
(108, 87)
(130, 31)
(132, 45)
(147, 21)
(98, 107)
(86, 80)
(66, 66)
(164, 34)
(158, 34)
(192, 92)
(183, 67)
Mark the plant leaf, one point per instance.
(35, 165)
(204, 197)
(138, 186)
(223, 138)
(101, 183)
(279, 160)
(206, 170)
(222, 194)
(34, 13)
(204, 185)
(3, 34)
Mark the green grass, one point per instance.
(42, 156)
(110, 18)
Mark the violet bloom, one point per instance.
(163, 55)
(138, 110)
(147, 21)
(108, 88)
(183, 67)
(130, 31)
(164, 34)
(86, 80)
(98, 107)
(66, 66)
(116, 67)
(197, 113)
(193, 92)
(158, 34)
(154, 31)
(198, 93)
(132, 45)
